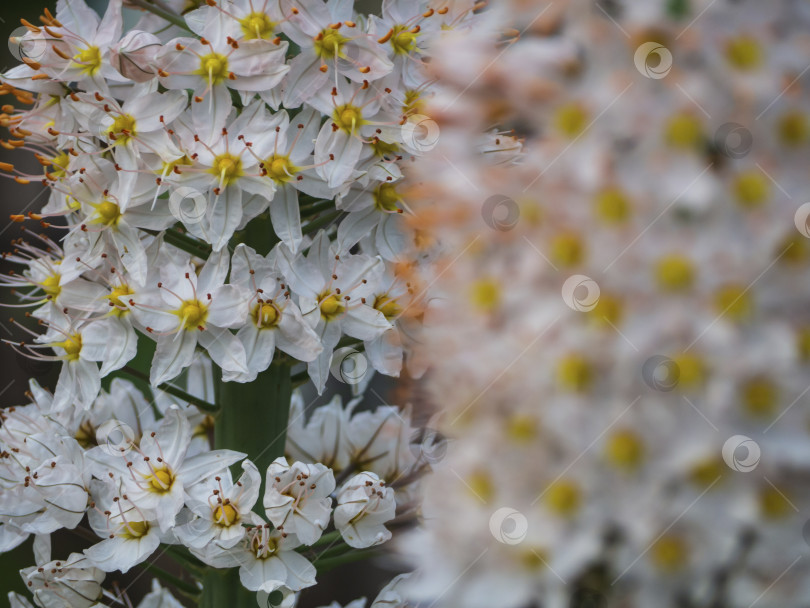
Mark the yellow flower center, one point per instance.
(684, 131)
(257, 26)
(567, 249)
(760, 397)
(522, 428)
(403, 40)
(280, 169)
(329, 44)
(331, 306)
(389, 307)
(160, 481)
(612, 206)
(485, 294)
(59, 164)
(733, 302)
(386, 197)
(608, 311)
(803, 344)
(108, 213)
(135, 529)
(348, 118)
(214, 67)
(89, 60)
(707, 472)
(265, 316)
(50, 285)
(119, 308)
(563, 497)
(227, 167)
(674, 273)
(168, 167)
(575, 373)
(225, 515)
(774, 504)
(750, 189)
(625, 450)
(691, 370)
(193, 314)
(744, 52)
(479, 483)
(72, 347)
(384, 149)
(793, 128)
(122, 129)
(414, 102)
(571, 120)
(670, 553)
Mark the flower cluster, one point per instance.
(224, 197)
(146, 479)
(621, 353)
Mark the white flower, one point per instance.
(156, 474)
(72, 582)
(322, 438)
(222, 508)
(364, 504)
(297, 498)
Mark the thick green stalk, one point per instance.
(253, 419)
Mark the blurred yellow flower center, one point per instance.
(89, 60)
(479, 483)
(348, 118)
(571, 119)
(225, 515)
(760, 397)
(414, 102)
(160, 481)
(674, 272)
(625, 450)
(691, 370)
(803, 344)
(793, 128)
(214, 67)
(670, 553)
(707, 472)
(329, 43)
(265, 316)
(750, 189)
(684, 131)
(563, 497)
(744, 52)
(608, 310)
(72, 347)
(612, 206)
(256, 26)
(567, 249)
(193, 313)
(575, 373)
(227, 167)
(522, 428)
(59, 164)
(485, 294)
(331, 306)
(733, 302)
(774, 503)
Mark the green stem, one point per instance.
(254, 420)
(314, 208)
(321, 222)
(170, 578)
(172, 390)
(324, 565)
(326, 539)
(162, 13)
